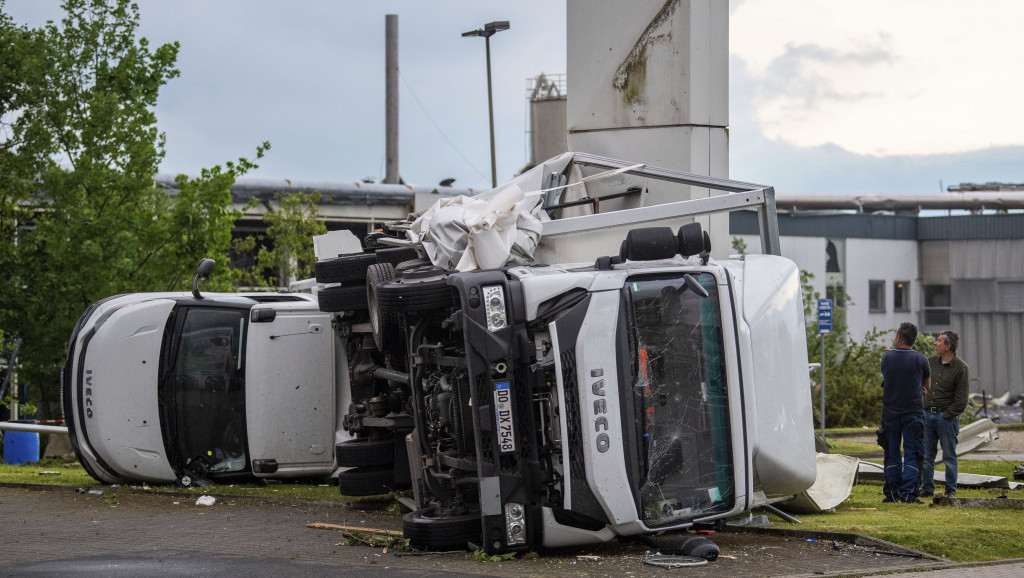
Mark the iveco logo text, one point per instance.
(600, 407)
(88, 393)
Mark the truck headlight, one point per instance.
(494, 307)
(515, 524)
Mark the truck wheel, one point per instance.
(413, 263)
(366, 481)
(426, 529)
(420, 289)
(359, 453)
(649, 244)
(344, 268)
(343, 298)
(387, 328)
(396, 255)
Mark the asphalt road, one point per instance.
(56, 531)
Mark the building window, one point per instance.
(835, 271)
(937, 305)
(1011, 296)
(901, 296)
(876, 296)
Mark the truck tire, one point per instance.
(425, 529)
(400, 296)
(396, 255)
(361, 453)
(343, 298)
(387, 328)
(345, 268)
(413, 263)
(649, 244)
(366, 481)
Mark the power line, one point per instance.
(444, 136)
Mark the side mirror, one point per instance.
(202, 272)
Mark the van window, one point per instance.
(203, 391)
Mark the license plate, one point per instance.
(503, 417)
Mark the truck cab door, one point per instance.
(290, 393)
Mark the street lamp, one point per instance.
(490, 29)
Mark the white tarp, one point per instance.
(485, 231)
(501, 226)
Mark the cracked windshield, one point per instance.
(680, 393)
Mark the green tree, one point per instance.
(853, 381)
(80, 217)
(286, 251)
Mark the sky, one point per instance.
(865, 96)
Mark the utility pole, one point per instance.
(391, 175)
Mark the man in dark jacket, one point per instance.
(945, 401)
(905, 375)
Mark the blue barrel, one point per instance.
(21, 446)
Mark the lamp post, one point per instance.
(490, 29)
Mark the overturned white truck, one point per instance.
(528, 402)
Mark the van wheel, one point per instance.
(386, 325)
(427, 529)
(343, 298)
(344, 268)
(366, 481)
(364, 452)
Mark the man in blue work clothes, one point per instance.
(945, 401)
(906, 377)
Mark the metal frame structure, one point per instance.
(741, 195)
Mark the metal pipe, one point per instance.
(490, 113)
(31, 427)
(971, 201)
(391, 375)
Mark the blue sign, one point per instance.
(824, 316)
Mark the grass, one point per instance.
(957, 533)
(72, 474)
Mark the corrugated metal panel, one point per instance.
(990, 344)
(869, 226)
(835, 225)
(1010, 226)
(934, 262)
(987, 259)
(1011, 296)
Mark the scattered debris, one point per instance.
(1000, 503)
(751, 521)
(841, 546)
(588, 557)
(674, 561)
(360, 536)
(482, 556)
(95, 492)
(206, 501)
(870, 471)
(832, 486)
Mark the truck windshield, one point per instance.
(202, 393)
(679, 393)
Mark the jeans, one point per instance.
(903, 472)
(939, 432)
